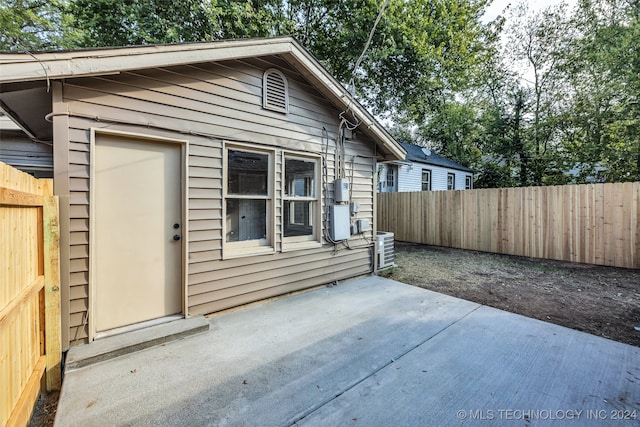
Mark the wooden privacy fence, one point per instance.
(593, 223)
(29, 293)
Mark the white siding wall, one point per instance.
(381, 183)
(410, 177)
(208, 104)
(439, 177)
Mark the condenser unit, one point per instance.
(384, 250)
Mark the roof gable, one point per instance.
(20, 68)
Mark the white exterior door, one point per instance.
(137, 211)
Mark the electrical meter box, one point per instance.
(363, 225)
(339, 222)
(341, 190)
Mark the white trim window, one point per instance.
(426, 179)
(451, 181)
(248, 200)
(300, 200)
(392, 177)
(468, 182)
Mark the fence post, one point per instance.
(52, 292)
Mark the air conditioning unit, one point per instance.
(384, 250)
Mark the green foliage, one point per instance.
(605, 71)
(122, 23)
(454, 132)
(494, 175)
(425, 54)
(559, 103)
(572, 115)
(31, 25)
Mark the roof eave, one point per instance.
(304, 59)
(427, 163)
(92, 62)
(19, 67)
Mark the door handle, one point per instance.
(176, 237)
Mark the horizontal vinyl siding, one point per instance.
(335, 267)
(210, 105)
(442, 178)
(411, 177)
(79, 158)
(17, 150)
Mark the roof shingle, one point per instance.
(415, 154)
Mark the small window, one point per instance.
(451, 181)
(300, 199)
(468, 182)
(392, 173)
(248, 198)
(426, 180)
(275, 91)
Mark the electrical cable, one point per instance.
(352, 84)
(325, 187)
(46, 74)
(366, 46)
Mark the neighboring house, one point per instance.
(423, 170)
(22, 152)
(197, 177)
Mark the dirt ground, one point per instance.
(603, 301)
(45, 411)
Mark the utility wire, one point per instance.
(352, 82)
(366, 46)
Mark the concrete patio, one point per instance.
(370, 352)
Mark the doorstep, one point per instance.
(118, 345)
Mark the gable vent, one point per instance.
(275, 91)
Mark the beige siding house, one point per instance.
(197, 177)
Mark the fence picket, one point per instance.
(29, 293)
(591, 223)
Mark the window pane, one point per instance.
(391, 176)
(426, 180)
(248, 173)
(246, 220)
(300, 178)
(298, 218)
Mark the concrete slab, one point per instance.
(119, 345)
(369, 351)
(497, 367)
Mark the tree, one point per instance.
(29, 25)
(540, 43)
(122, 23)
(420, 53)
(604, 119)
(454, 131)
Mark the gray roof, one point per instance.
(415, 154)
